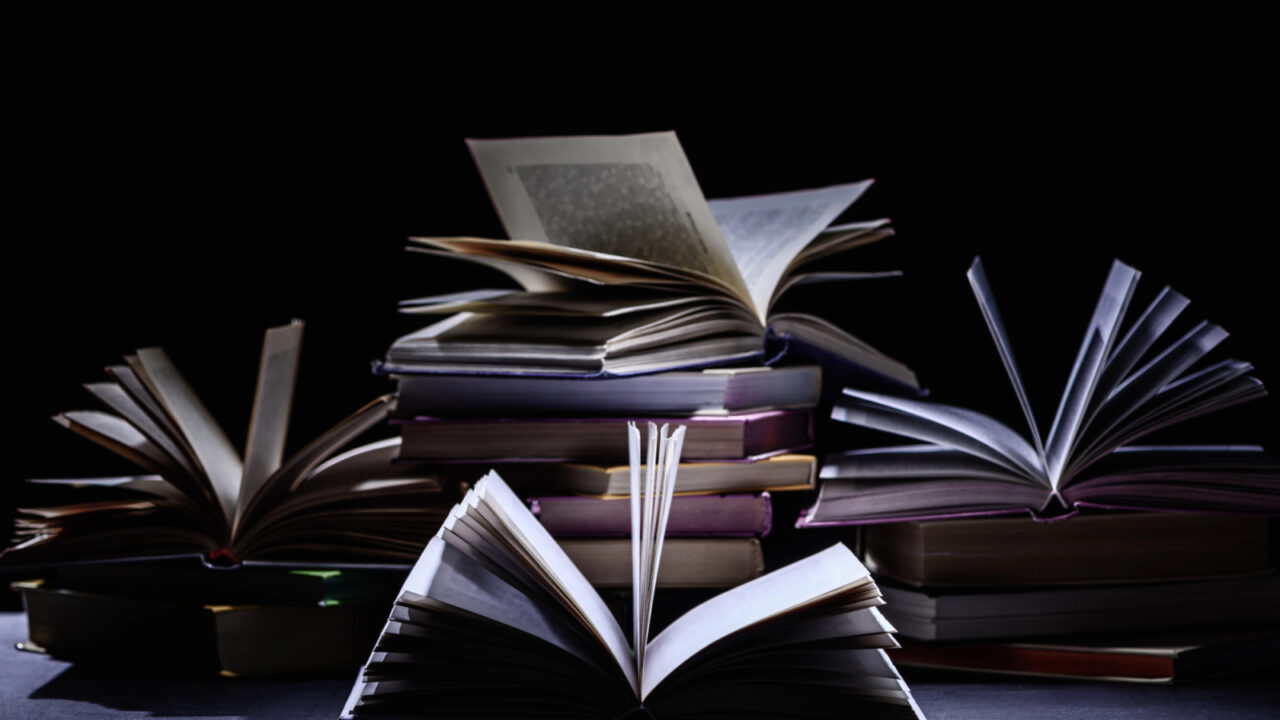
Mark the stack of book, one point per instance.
(1170, 538)
(637, 299)
(562, 444)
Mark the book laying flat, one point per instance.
(716, 391)
(736, 515)
(1159, 658)
(691, 562)
(745, 436)
(931, 615)
(1127, 381)
(195, 637)
(1091, 548)
(200, 496)
(778, 473)
(496, 621)
(624, 268)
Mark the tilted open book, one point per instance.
(1120, 388)
(495, 621)
(625, 268)
(204, 499)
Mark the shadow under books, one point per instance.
(165, 693)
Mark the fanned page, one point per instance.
(766, 232)
(632, 196)
(272, 400)
(651, 493)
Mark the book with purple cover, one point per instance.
(736, 515)
(744, 436)
(1122, 387)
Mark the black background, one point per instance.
(193, 188)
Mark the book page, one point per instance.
(631, 195)
(791, 587)
(766, 232)
(272, 401)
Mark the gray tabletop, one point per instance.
(34, 686)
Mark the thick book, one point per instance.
(1127, 380)
(201, 497)
(987, 613)
(733, 515)
(624, 268)
(779, 473)
(691, 562)
(1091, 548)
(713, 391)
(743, 436)
(1162, 657)
(496, 621)
(198, 637)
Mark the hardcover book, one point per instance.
(1125, 383)
(735, 515)
(624, 268)
(496, 621)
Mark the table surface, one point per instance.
(34, 686)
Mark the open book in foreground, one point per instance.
(202, 498)
(624, 268)
(1122, 386)
(495, 621)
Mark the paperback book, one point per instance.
(496, 621)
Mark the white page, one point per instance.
(115, 397)
(995, 324)
(766, 232)
(1094, 350)
(629, 195)
(215, 453)
(798, 584)
(272, 403)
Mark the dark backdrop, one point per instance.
(191, 198)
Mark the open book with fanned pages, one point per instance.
(1127, 381)
(496, 621)
(624, 268)
(201, 498)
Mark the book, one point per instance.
(195, 637)
(733, 515)
(624, 268)
(691, 562)
(987, 613)
(742, 436)
(713, 391)
(1121, 387)
(1162, 657)
(1091, 548)
(777, 473)
(200, 497)
(496, 621)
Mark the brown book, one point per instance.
(686, 562)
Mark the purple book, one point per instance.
(736, 515)
(743, 436)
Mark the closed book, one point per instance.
(1096, 548)
(686, 562)
(737, 515)
(198, 638)
(1163, 657)
(742, 436)
(708, 392)
(775, 474)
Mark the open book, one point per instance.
(1121, 387)
(624, 268)
(203, 498)
(495, 621)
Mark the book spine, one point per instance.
(737, 515)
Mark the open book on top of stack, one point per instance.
(624, 268)
(1122, 386)
(496, 621)
(202, 498)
